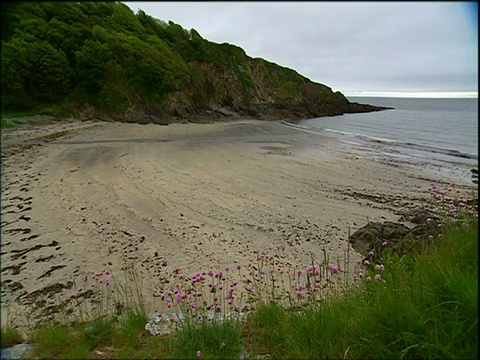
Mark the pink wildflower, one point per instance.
(378, 277)
(429, 220)
(199, 353)
(384, 244)
(334, 269)
(250, 288)
(366, 262)
(107, 282)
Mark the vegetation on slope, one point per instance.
(100, 59)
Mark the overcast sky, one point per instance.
(351, 47)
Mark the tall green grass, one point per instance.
(426, 307)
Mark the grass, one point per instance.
(9, 118)
(416, 305)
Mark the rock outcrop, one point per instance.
(397, 235)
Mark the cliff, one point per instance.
(100, 60)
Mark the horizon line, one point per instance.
(414, 94)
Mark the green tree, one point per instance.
(50, 72)
(68, 38)
(124, 21)
(91, 65)
(15, 69)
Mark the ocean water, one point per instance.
(440, 134)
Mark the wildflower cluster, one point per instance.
(449, 205)
(240, 289)
(98, 294)
(372, 266)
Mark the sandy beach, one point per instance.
(89, 196)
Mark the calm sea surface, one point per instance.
(437, 131)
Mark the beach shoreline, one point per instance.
(82, 197)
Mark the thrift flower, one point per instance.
(199, 353)
(378, 277)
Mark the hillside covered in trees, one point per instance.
(101, 60)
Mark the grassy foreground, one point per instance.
(419, 305)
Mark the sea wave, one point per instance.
(421, 147)
(406, 144)
(390, 142)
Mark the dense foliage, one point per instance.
(102, 54)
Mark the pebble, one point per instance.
(19, 351)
